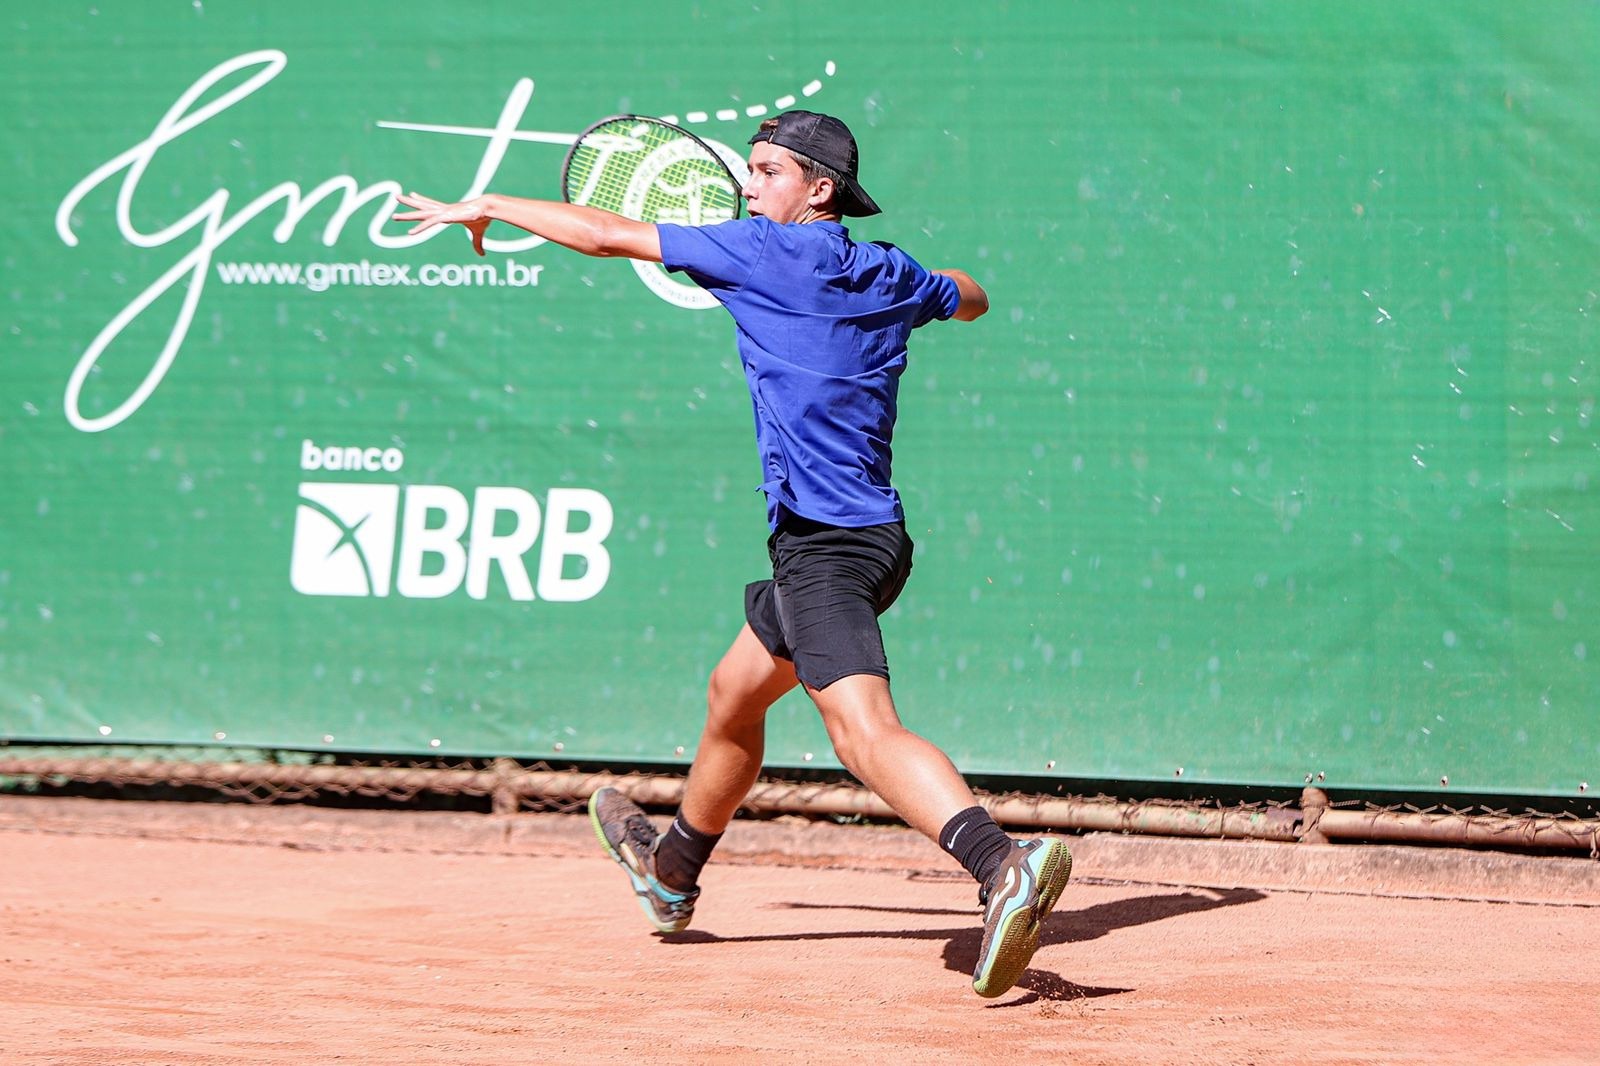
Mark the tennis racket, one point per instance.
(650, 171)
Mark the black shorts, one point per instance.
(829, 585)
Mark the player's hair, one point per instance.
(810, 169)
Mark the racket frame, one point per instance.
(710, 152)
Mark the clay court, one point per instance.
(187, 934)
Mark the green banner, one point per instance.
(1275, 458)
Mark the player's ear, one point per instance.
(822, 191)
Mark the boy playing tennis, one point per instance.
(822, 328)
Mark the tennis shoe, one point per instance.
(630, 839)
(1016, 900)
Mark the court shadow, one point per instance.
(1073, 926)
(792, 905)
(961, 944)
(1091, 923)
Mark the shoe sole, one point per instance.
(1018, 937)
(641, 890)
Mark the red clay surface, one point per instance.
(156, 938)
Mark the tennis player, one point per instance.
(823, 322)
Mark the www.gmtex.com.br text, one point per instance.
(320, 277)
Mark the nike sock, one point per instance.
(973, 840)
(682, 854)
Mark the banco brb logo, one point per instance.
(427, 541)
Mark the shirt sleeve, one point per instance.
(937, 297)
(714, 257)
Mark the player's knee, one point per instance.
(731, 707)
(855, 729)
(846, 744)
(722, 694)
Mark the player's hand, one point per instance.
(429, 213)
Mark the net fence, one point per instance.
(509, 786)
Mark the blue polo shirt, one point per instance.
(822, 329)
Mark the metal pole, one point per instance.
(1461, 829)
(506, 784)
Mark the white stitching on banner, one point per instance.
(782, 103)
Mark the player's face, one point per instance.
(776, 188)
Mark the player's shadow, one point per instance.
(961, 944)
(1091, 923)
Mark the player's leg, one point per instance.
(909, 773)
(833, 585)
(746, 682)
(665, 868)
(1020, 881)
(906, 771)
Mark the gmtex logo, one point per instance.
(219, 214)
(425, 541)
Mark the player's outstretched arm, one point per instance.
(583, 229)
(974, 301)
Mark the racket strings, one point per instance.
(652, 172)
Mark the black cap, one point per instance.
(829, 142)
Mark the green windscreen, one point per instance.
(1276, 455)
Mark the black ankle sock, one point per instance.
(682, 854)
(973, 840)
